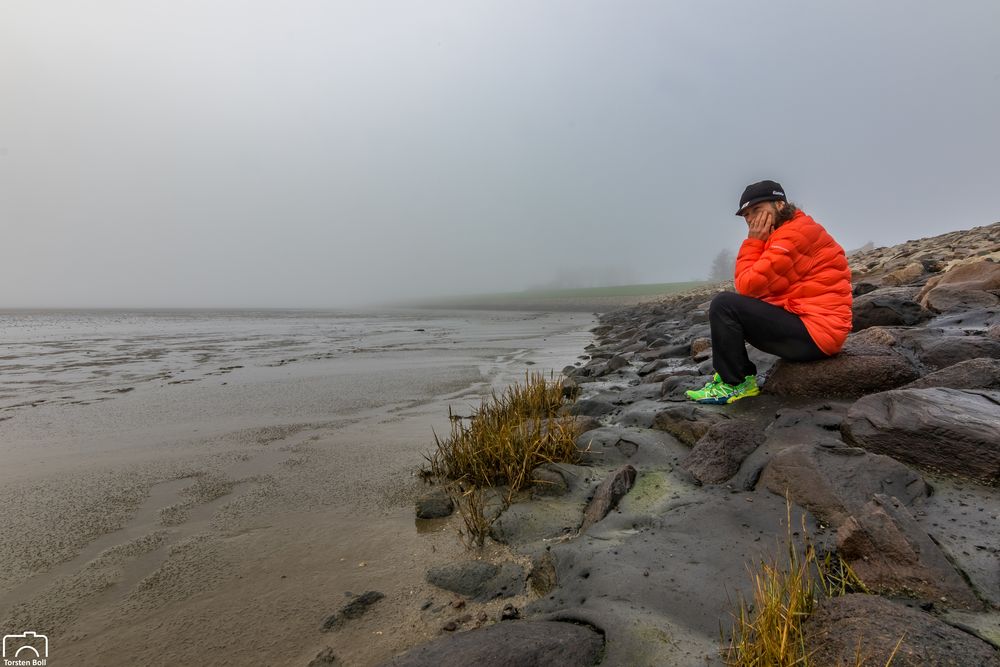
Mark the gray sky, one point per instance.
(322, 153)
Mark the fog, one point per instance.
(312, 154)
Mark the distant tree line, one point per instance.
(723, 266)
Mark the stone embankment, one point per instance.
(889, 453)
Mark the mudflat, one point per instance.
(208, 488)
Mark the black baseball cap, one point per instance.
(761, 191)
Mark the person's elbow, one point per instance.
(750, 284)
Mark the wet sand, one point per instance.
(221, 521)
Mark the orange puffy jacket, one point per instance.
(803, 270)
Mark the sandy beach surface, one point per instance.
(184, 488)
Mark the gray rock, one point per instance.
(434, 504)
(678, 382)
(591, 407)
(479, 580)
(510, 644)
(617, 445)
(652, 366)
(324, 658)
(617, 363)
(688, 422)
(947, 430)
(547, 480)
(542, 578)
(840, 625)
(893, 555)
(352, 610)
(981, 373)
(606, 497)
(717, 456)
(835, 482)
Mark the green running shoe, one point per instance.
(720, 393)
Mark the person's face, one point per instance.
(751, 211)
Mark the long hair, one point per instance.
(785, 214)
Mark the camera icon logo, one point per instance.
(26, 645)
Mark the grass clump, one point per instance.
(511, 433)
(767, 630)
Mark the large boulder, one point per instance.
(717, 456)
(835, 482)
(862, 367)
(893, 555)
(980, 373)
(840, 625)
(938, 352)
(948, 299)
(953, 431)
(889, 307)
(510, 644)
(963, 287)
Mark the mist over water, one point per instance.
(233, 154)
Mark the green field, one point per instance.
(582, 298)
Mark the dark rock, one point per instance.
(617, 363)
(864, 288)
(717, 456)
(678, 382)
(606, 497)
(674, 351)
(570, 388)
(859, 369)
(434, 504)
(688, 422)
(839, 625)
(511, 644)
(981, 373)
(575, 424)
(510, 613)
(542, 578)
(835, 482)
(591, 407)
(353, 609)
(892, 554)
(889, 307)
(547, 480)
(938, 352)
(701, 349)
(655, 365)
(478, 580)
(980, 321)
(947, 430)
(323, 658)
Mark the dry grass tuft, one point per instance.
(767, 631)
(511, 433)
(507, 437)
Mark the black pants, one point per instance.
(738, 319)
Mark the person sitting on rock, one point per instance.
(793, 295)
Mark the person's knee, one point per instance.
(721, 302)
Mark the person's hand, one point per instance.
(760, 223)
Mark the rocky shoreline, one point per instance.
(889, 454)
